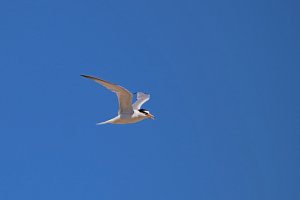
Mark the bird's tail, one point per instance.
(106, 122)
(100, 123)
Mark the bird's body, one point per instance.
(128, 112)
(126, 118)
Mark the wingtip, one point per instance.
(90, 77)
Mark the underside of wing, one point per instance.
(124, 96)
(141, 99)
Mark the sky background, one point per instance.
(224, 83)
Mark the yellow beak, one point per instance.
(150, 116)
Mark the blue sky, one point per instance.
(224, 83)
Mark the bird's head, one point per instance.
(146, 113)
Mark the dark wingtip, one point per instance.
(86, 76)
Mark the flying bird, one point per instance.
(128, 112)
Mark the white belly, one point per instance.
(127, 119)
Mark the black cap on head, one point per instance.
(146, 112)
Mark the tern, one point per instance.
(128, 112)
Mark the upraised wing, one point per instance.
(141, 99)
(124, 96)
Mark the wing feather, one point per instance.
(141, 99)
(124, 96)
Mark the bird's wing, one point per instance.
(141, 99)
(124, 96)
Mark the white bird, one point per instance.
(128, 112)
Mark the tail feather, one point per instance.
(100, 123)
(106, 122)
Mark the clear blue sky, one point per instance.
(224, 83)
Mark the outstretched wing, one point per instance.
(141, 99)
(124, 96)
